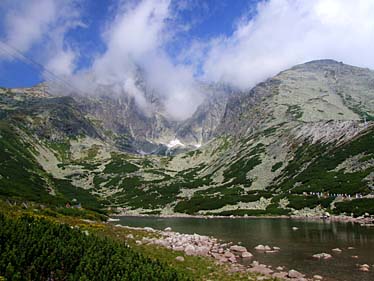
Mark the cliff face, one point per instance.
(307, 130)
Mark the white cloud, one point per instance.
(135, 62)
(27, 23)
(289, 32)
(135, 53)
(62, 63)
(41, 25)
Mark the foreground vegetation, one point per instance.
(42, 244)
(37, 249)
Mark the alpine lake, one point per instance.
(297, 245)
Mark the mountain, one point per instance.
(298, 143)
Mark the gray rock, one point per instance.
(150, 229)
(179, 258)
(178, 248)
(280, 275)
(228, 254)
(237, 248)
(322, 256)
(189, 250)
(246, 255)
(202, 251)
(260, 248)
(295, 274)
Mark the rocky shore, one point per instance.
(239, 258)
(364, 221)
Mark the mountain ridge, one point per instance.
(242, 152)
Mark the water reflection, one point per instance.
(297, 247)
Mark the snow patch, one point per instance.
(174, 142)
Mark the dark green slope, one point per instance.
(21, 177)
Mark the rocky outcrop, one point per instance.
(323, 256)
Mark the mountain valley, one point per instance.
(298, 143)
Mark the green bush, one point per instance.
(299, 202)
(358, 207)
(37, 249)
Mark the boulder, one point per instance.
(167, 229)
(232, 259)
(364, 267)
(260, 248)
(255, 263)
(178, 248)
(216, 256)
(228, 254)
(130, 236)
(223, 260)
(276, 248)
(336, 250)
(295, 274)
(280, 275)
(246, 255)
(149, 229)
(323, 256)
(317, 277)
(202, 251)
(295, 228)
(262, 269)
(179, 258)
(237, 248)
(267, 248)
(189, 250)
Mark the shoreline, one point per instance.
(344, 219)
(237, 257)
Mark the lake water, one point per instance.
(297, 247)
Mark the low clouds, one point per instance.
(270, 37)
(289, 32)
(136, 55)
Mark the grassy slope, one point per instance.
(194, 268)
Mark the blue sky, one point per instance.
(207, 19)
(174, 45)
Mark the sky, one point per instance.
(173, 45)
